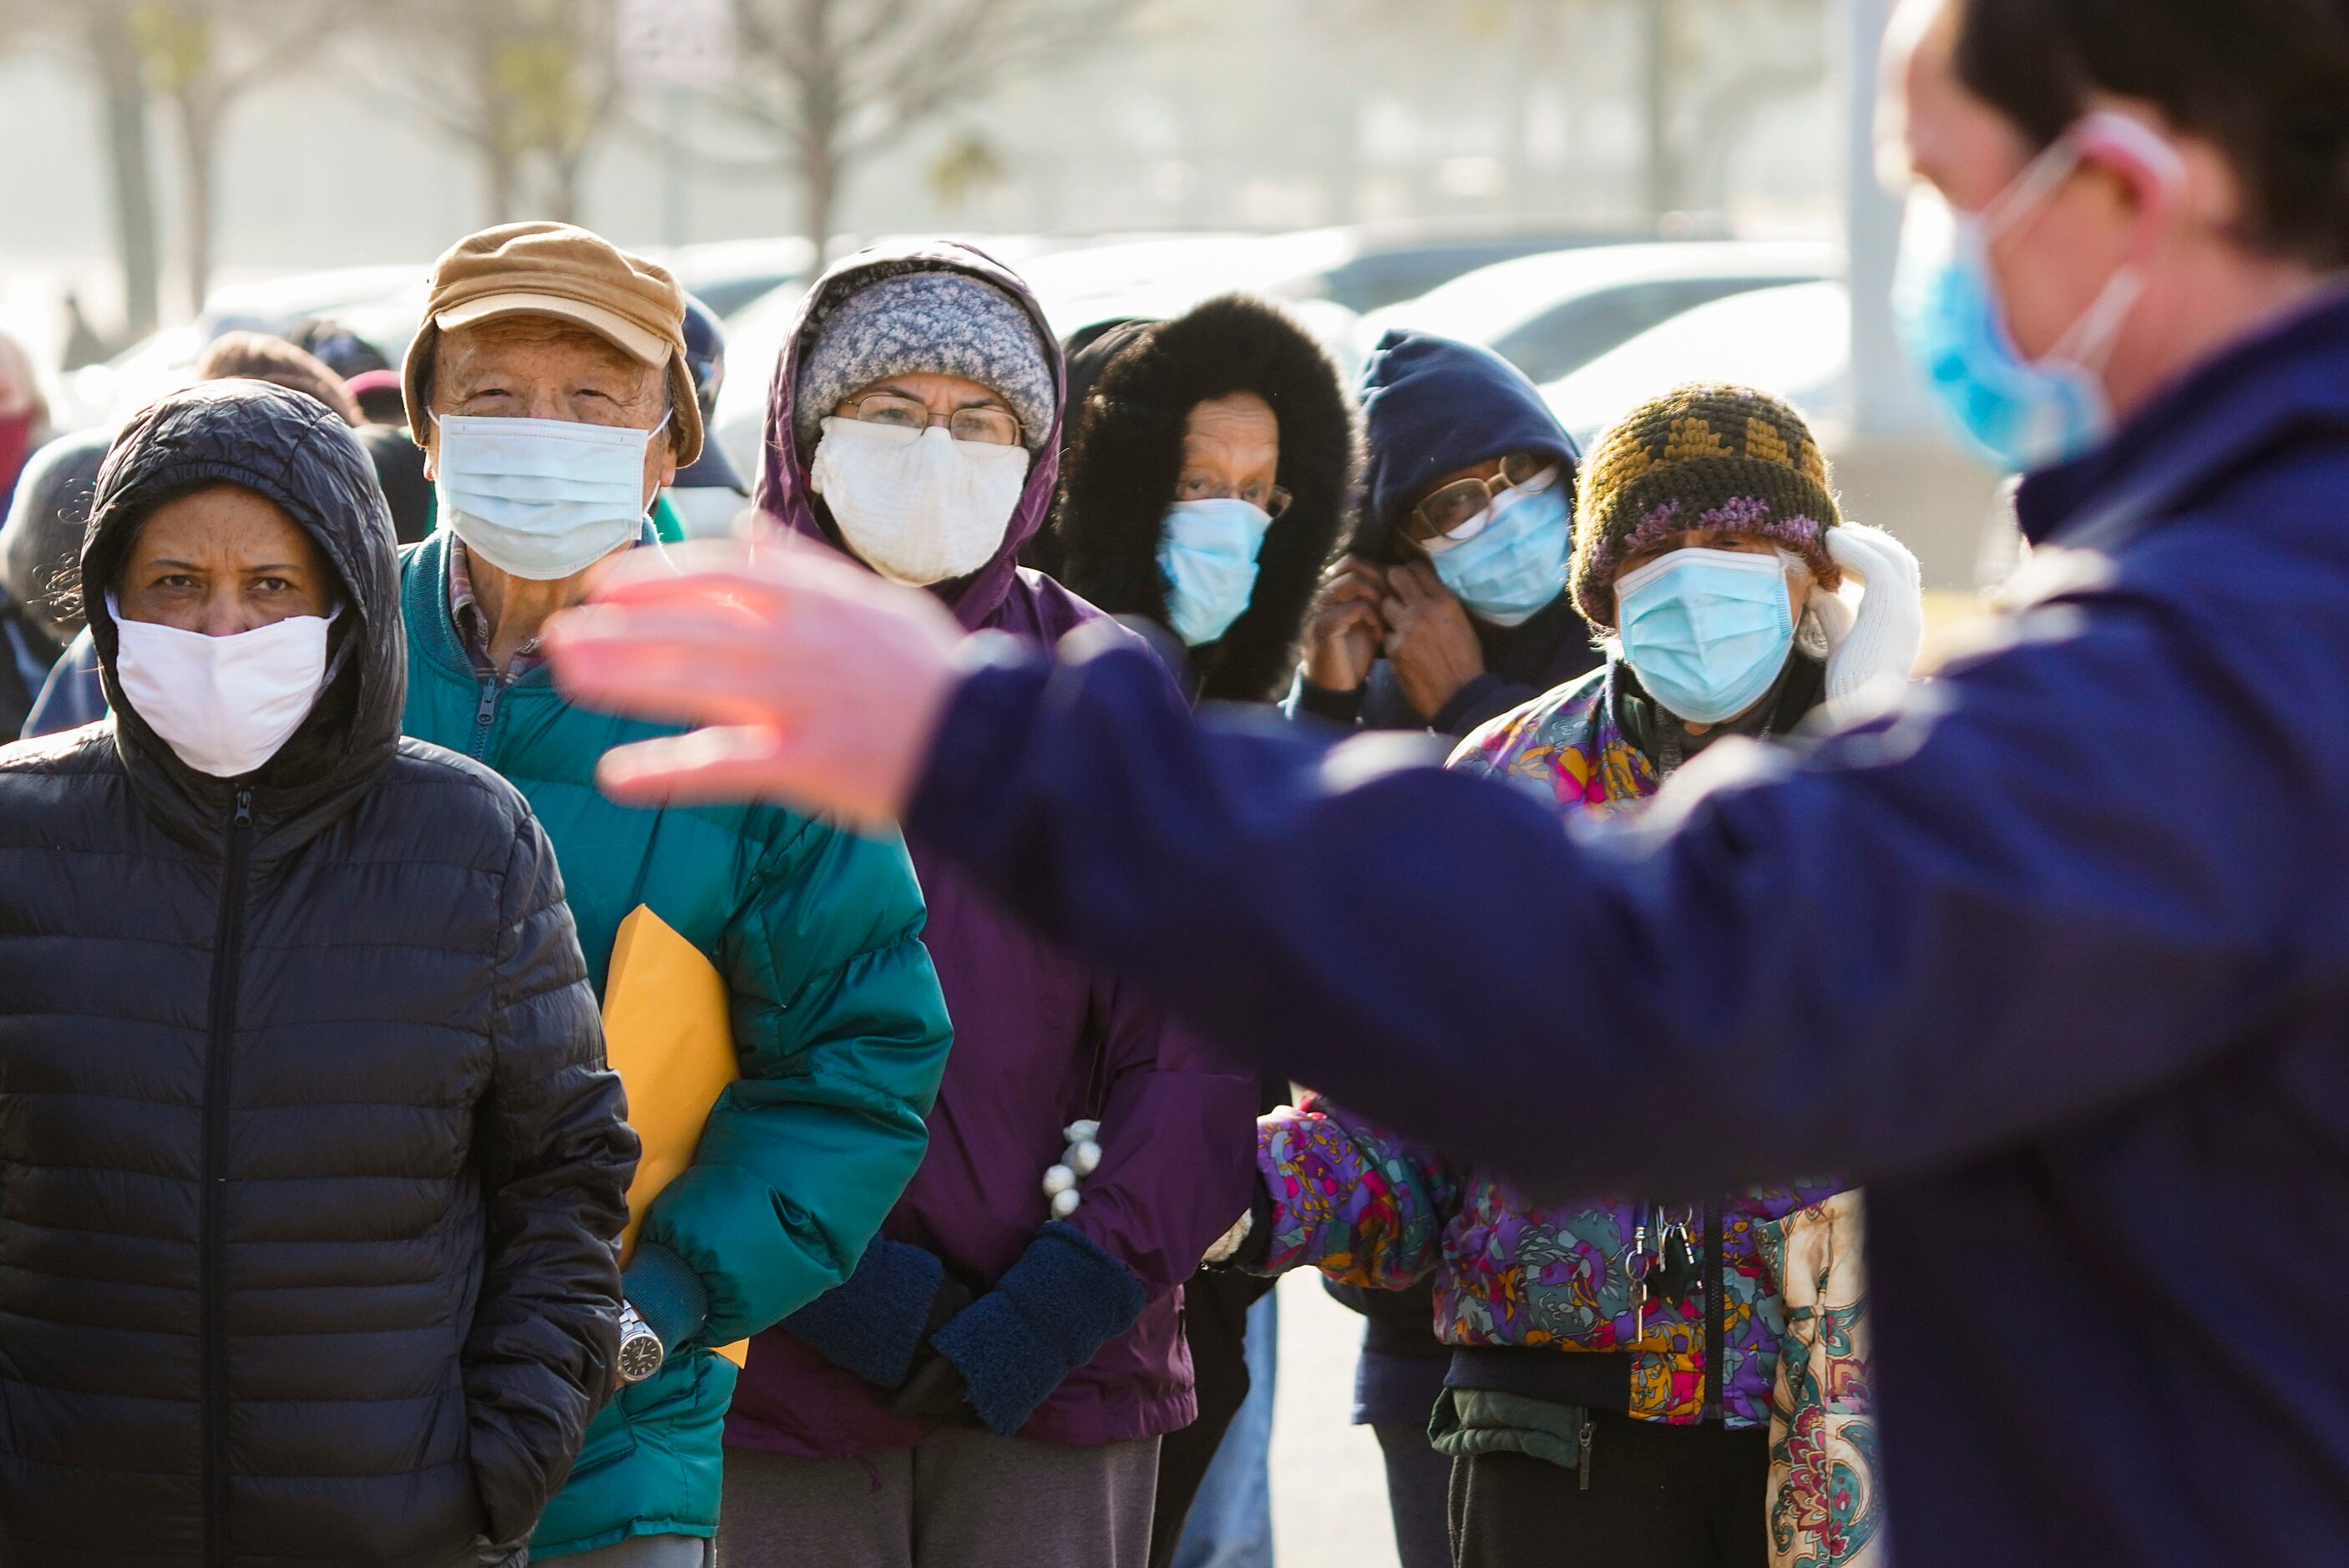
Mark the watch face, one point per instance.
(640, 1356)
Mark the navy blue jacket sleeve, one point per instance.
(2037, 889)
(1482, 700)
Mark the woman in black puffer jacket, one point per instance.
(310, 1166)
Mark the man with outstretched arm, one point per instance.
(2052, 954)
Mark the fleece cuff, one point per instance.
(871, 1323)
(1061, 1302)
(666, 1294)
(1324, 703)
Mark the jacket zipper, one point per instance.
(228, 943)
(485, 718)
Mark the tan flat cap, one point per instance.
(559, 270)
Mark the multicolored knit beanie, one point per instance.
(1699, 458)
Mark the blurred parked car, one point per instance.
(1396, 262)
(164, 361)
(1551, 314)
(1793, 340)
(728, 274)
(1358, 268)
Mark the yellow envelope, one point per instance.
(666, 1034)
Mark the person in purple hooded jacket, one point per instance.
(991, 1382)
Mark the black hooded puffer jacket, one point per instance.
(1131, 392)
(310, 1166)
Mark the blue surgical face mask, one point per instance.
(1208, 552)
(540, 499)
(1707, 630)
(2021, 414)
(1511, 569)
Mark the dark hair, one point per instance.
(259, 357)
(2267, 81)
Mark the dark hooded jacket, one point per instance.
(40, 557)
(310, 1168)
(1040, 1042)
(1132, 388)
(1432, 406)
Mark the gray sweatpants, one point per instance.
(960, 1500)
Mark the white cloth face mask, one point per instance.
(921, 507)
(225, 704)
(540, 499)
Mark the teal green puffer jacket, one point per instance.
(837, 1018)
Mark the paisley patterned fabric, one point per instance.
(1368, 1208)
(1827, 1509)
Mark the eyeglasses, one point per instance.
(1451, 514)
(986, 427)
(1197, 485)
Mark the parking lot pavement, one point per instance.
(1329, 1491)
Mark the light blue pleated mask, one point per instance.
(1208, 552)
(1706, 630)
(1512, 569)
(2020, 413)
(540, 499)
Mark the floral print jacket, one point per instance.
(1368, 1208)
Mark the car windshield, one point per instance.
(1557, 307)
(1563, 340)
(1794, 342)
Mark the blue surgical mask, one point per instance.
(1208, 552)
(1706, 630)
(540, 499)
(2021, 414)
(1514, 567)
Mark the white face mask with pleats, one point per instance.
(917, 507)
(224, 705)
(540, 499)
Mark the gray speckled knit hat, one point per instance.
(946, 322)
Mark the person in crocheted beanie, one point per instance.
(1613, 1358)
(1711, 553)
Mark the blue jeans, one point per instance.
(1230, 1524)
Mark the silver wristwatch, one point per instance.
(640, 1349)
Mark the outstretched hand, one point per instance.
(815, 683)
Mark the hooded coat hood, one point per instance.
(980, 600)
(293, 450)
(1433, 406)
(1141, 381)
(1039, 1042)
(40, 545)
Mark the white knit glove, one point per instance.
(1872, 652)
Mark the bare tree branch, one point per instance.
(832, 82)
(529, 87)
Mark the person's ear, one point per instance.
(2150, 172)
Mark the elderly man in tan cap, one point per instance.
(550, 391)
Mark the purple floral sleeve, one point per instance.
(1351, 1199)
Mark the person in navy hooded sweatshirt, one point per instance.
(1448, 610)
(1450, 606)
(2053, 954)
